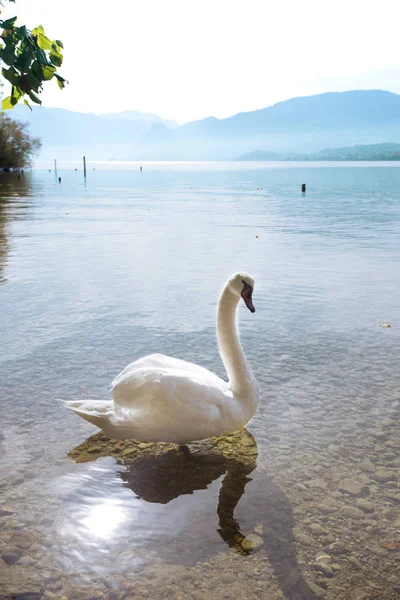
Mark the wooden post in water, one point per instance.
(303, 188)
(55, 168)
(84, 167)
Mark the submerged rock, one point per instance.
(6, 511)
(352, 512)
(367, 465)
(252, 542)
(365, 505)
(324, 568)
(24, 539)
(351, 487)
(11, 555)
(301, 537)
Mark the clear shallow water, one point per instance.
(96, 275)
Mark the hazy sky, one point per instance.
(189, 59)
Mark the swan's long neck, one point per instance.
(241, 379)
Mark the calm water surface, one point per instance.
(95, 274)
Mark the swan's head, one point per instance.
(242, 284)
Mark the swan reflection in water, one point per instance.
(183, 530)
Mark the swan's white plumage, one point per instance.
(159, 398)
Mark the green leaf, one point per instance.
(6, 103)
(60, 44)
(11, 75)
(27, 104)
(24, 59)
(34, 98)
(56, 59)
(37, 30)
(43, 42)
(48, 73)
(8, 24)
(34, 81)
(22, 32)
(41, 56)
(7, 54)
(61, 81)
(16, 93)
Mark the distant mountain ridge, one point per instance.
(300, 125)
(305, 124)
(135, 115)
(68, 135)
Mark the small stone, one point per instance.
(198, 596)
(351, 487)
(227, 578)
(367, 465)
(301, 537)
(356, 563)
(377, 551)
(26, 561)
(337, 495)
(16, 480)
(352, 512)
(394, 497)
(316, 484)
(129, 452)
(337, 548)
(387, 422)
(259, 529)
(327, 506)
(5, 511)
(316, 529)
(323, 556)
(11, 556)
(143, 445)
(252, 542)
(300, 486)
(316, 589)
(364, 505)
(379, 435)
(390, 543)
(358, 594)
(24, 539)
(322, 567)
(94, 449)
(383, 475)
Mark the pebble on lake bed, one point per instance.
(352, 512)
(252, 542)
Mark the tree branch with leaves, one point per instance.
(30, 59)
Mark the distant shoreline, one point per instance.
(386, 151)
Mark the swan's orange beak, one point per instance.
(247, 296)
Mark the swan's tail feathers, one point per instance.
(97, 412)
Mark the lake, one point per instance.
(96, 273)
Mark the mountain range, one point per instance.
(299, 125)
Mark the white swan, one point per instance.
(162, 399)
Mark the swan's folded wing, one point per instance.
(169, 405)
(155, 386)
(163, 362)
